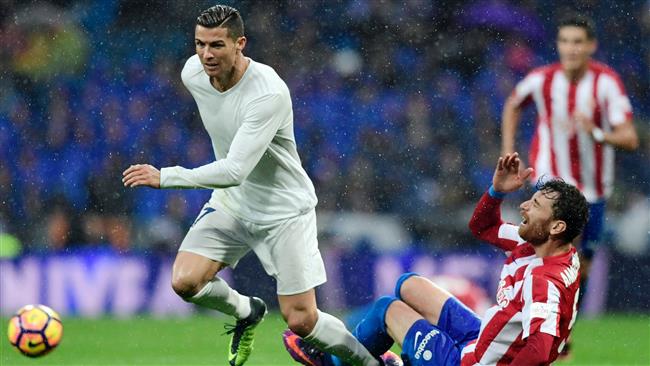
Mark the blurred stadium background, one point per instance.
(397, 115)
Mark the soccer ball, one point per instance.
(35, 330)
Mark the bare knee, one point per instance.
(418, 285)
(185, 286)
(300, 312)
(399, 318)
(191, 272)
(301, 320)
(187, 283)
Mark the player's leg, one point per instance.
(371, 333)
(212, 243)
(424, 296)
(322, 330)
(438, 307)
(371, 330)
(390, 319)
(215, 241)
(590, 239)
(194, 278)
(289, 252)
(422, 342)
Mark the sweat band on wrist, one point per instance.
(495, 194)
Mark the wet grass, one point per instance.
(611, 340)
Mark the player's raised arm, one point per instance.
(486, 221)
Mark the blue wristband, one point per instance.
(495, 194)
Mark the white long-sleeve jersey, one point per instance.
(257, 174)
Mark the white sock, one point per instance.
(331, 336)
(217, 295)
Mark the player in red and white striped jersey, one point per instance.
(538, 291)
(536, 300)
(583, 113)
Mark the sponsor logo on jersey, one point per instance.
(504, 293)
(542, 310)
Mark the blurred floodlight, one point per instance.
(347, 62)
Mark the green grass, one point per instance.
(613, 340)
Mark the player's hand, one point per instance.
(510, 175)
(583, 122)
(141, 175)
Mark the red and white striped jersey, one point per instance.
(534, 294)
(560, 148)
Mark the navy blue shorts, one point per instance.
(593, 231)
(426, 344)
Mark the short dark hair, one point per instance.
(222, 16)
(569, 205)
(580, 21)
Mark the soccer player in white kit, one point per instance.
(263, 199)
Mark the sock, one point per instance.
(217, 295)
(400, 282)
(371, 331)
(331, 336)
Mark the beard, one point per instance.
(534, 234)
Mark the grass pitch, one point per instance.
(611, 340)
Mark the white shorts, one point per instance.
(288, 249)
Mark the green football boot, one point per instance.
(243, 333)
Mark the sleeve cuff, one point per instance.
(166, 176)
(495, 194)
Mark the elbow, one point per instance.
(479, 225)
(235, 180)
(627, 136)
(236, 176)
(633, 143)
(474, 227)
(630, 144)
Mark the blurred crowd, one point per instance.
(397, 107)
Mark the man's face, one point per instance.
(537, 217)
(216, 50)
(574, 47)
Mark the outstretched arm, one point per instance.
(263, 118)
(261, 122)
